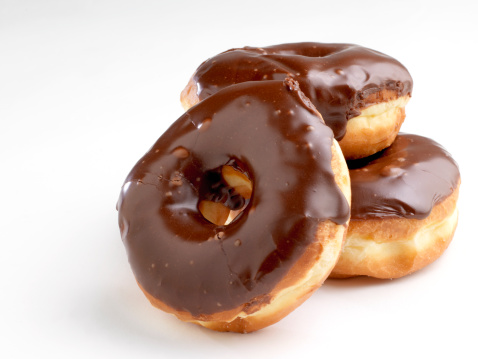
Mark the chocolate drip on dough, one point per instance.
(279, 140)
(405, 180)
(339, 79)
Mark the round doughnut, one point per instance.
(403, 213)
(361, 93)
(239, 210)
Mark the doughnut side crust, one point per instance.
(308, 274)
(394, 247)
(374, 129)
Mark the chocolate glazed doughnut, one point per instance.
(403, 213)
(361, 93)
(262, 153)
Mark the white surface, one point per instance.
(86, 87)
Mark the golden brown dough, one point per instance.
(393, 248)
(403, 213)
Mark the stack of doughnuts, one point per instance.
(286, 168)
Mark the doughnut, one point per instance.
(361, 93)
(239, 210)
(404, 211)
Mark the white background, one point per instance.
(86, 87)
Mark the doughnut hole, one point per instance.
(226, 197)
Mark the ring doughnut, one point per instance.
(361, 93)
(403, 213)
(239, 210)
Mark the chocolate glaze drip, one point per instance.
(338, 78)
(279, 140)
(405, 180)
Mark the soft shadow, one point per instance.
(354, 282)
(127, 315)
(364, 281)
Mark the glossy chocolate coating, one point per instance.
(338, 78)
(404, 181)
(279, 140)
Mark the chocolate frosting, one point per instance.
(404, 181)
(338, 78)
(272, 133)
